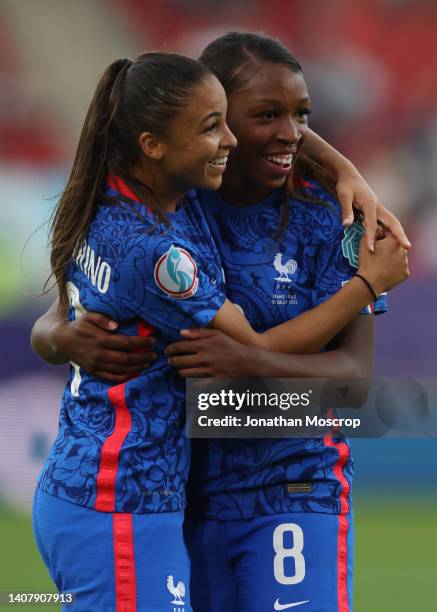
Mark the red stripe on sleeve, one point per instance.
(124, 563)
(110, 453)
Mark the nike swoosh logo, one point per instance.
(279, 606)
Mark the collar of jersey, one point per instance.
(119, 186)
(247, 211)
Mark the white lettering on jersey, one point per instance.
(99, 272)
(78, 310)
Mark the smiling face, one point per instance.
(197, 142)
(269, 117)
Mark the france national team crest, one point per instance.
(350, 244)
(285, 269)
(282, 294)
(176, 273)
(178, 592)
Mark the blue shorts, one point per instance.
(296, 561)
(113, 562)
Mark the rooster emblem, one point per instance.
(284, 269)
(177, 591)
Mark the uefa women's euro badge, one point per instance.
(351, 242)
(176, 273)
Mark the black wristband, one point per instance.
(369, 286)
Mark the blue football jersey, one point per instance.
(274, 276)
(122, 448)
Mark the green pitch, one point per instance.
(21, 569)
(395, 560)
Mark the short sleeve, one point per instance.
(169, 285)
(336, 261)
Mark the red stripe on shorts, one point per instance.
(110, 454)
(124, 563)
(343, 524)
(342, 592)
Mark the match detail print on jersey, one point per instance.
(176, 273)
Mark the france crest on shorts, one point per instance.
(176, 273)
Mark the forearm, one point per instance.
(43, 336)
(312, 330)
(323, 153)
(349, 355)
(212, 354)
(349, 358)
(331, 364)
(306, 333)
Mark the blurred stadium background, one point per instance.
(371, 66)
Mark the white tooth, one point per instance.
(284, 160)
(219, 161)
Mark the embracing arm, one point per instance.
(306, 333)
(90, 342)
(349, 355)
(43, 336)
(352, 189)
(212, 354)
(312, 330)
